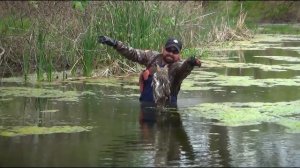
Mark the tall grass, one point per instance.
(49, 67)
(88, 47)
(135, 23)
(147, 25)
(44, 56)
(223, 28)
(40, 54)
(26, 56)
(26, 64)
(68, 33)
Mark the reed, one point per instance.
(146, 25)
(66, 32)
(40, 54)
(223, 26)
(88, 47)
(44, 55)
(26, 64)
(49, 67)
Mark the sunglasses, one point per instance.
(172, 50)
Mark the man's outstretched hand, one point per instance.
(194, 61)
(107, 40)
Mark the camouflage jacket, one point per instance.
(178, 71)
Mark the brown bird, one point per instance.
(161, 87)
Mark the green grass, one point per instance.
(26, 65)
(49, 67)
(88, 46)
(14, 25)
(139, 24)
(144, 25)
(187, 52)
(41, 54)
(44, 56)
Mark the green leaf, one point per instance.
(80, 5)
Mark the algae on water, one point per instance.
(49, 111)
(281, 58)
(249, 113)
(292, 126)
(35, 130)
(41, 93)
(261, 42)
(203, 81)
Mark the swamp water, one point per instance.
(242, 108)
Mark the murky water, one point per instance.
(126, 133)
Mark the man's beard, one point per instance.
(169, 59)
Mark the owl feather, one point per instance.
(161, 86)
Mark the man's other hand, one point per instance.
(194, 61)
(107, 40)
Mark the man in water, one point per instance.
(178, 69)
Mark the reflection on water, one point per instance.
(127, 133)
(170, 139)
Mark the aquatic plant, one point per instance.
(279, 29)
(140, 24)
(248, 113)
(41, 54)
(292, 125)
(35, 130)
(223, 30)
(88, 46)
(26, 64)
(57, 95)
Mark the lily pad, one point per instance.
(35, 130)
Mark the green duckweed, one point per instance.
(35, 130)
(250, 113)
(40, 93)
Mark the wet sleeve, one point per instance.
(181, 70)
(135, 55)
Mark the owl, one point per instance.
(161, 86)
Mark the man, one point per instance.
(178, 70)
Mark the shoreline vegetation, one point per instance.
(58, 40)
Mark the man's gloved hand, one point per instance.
(194, 61)
(107, 40)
